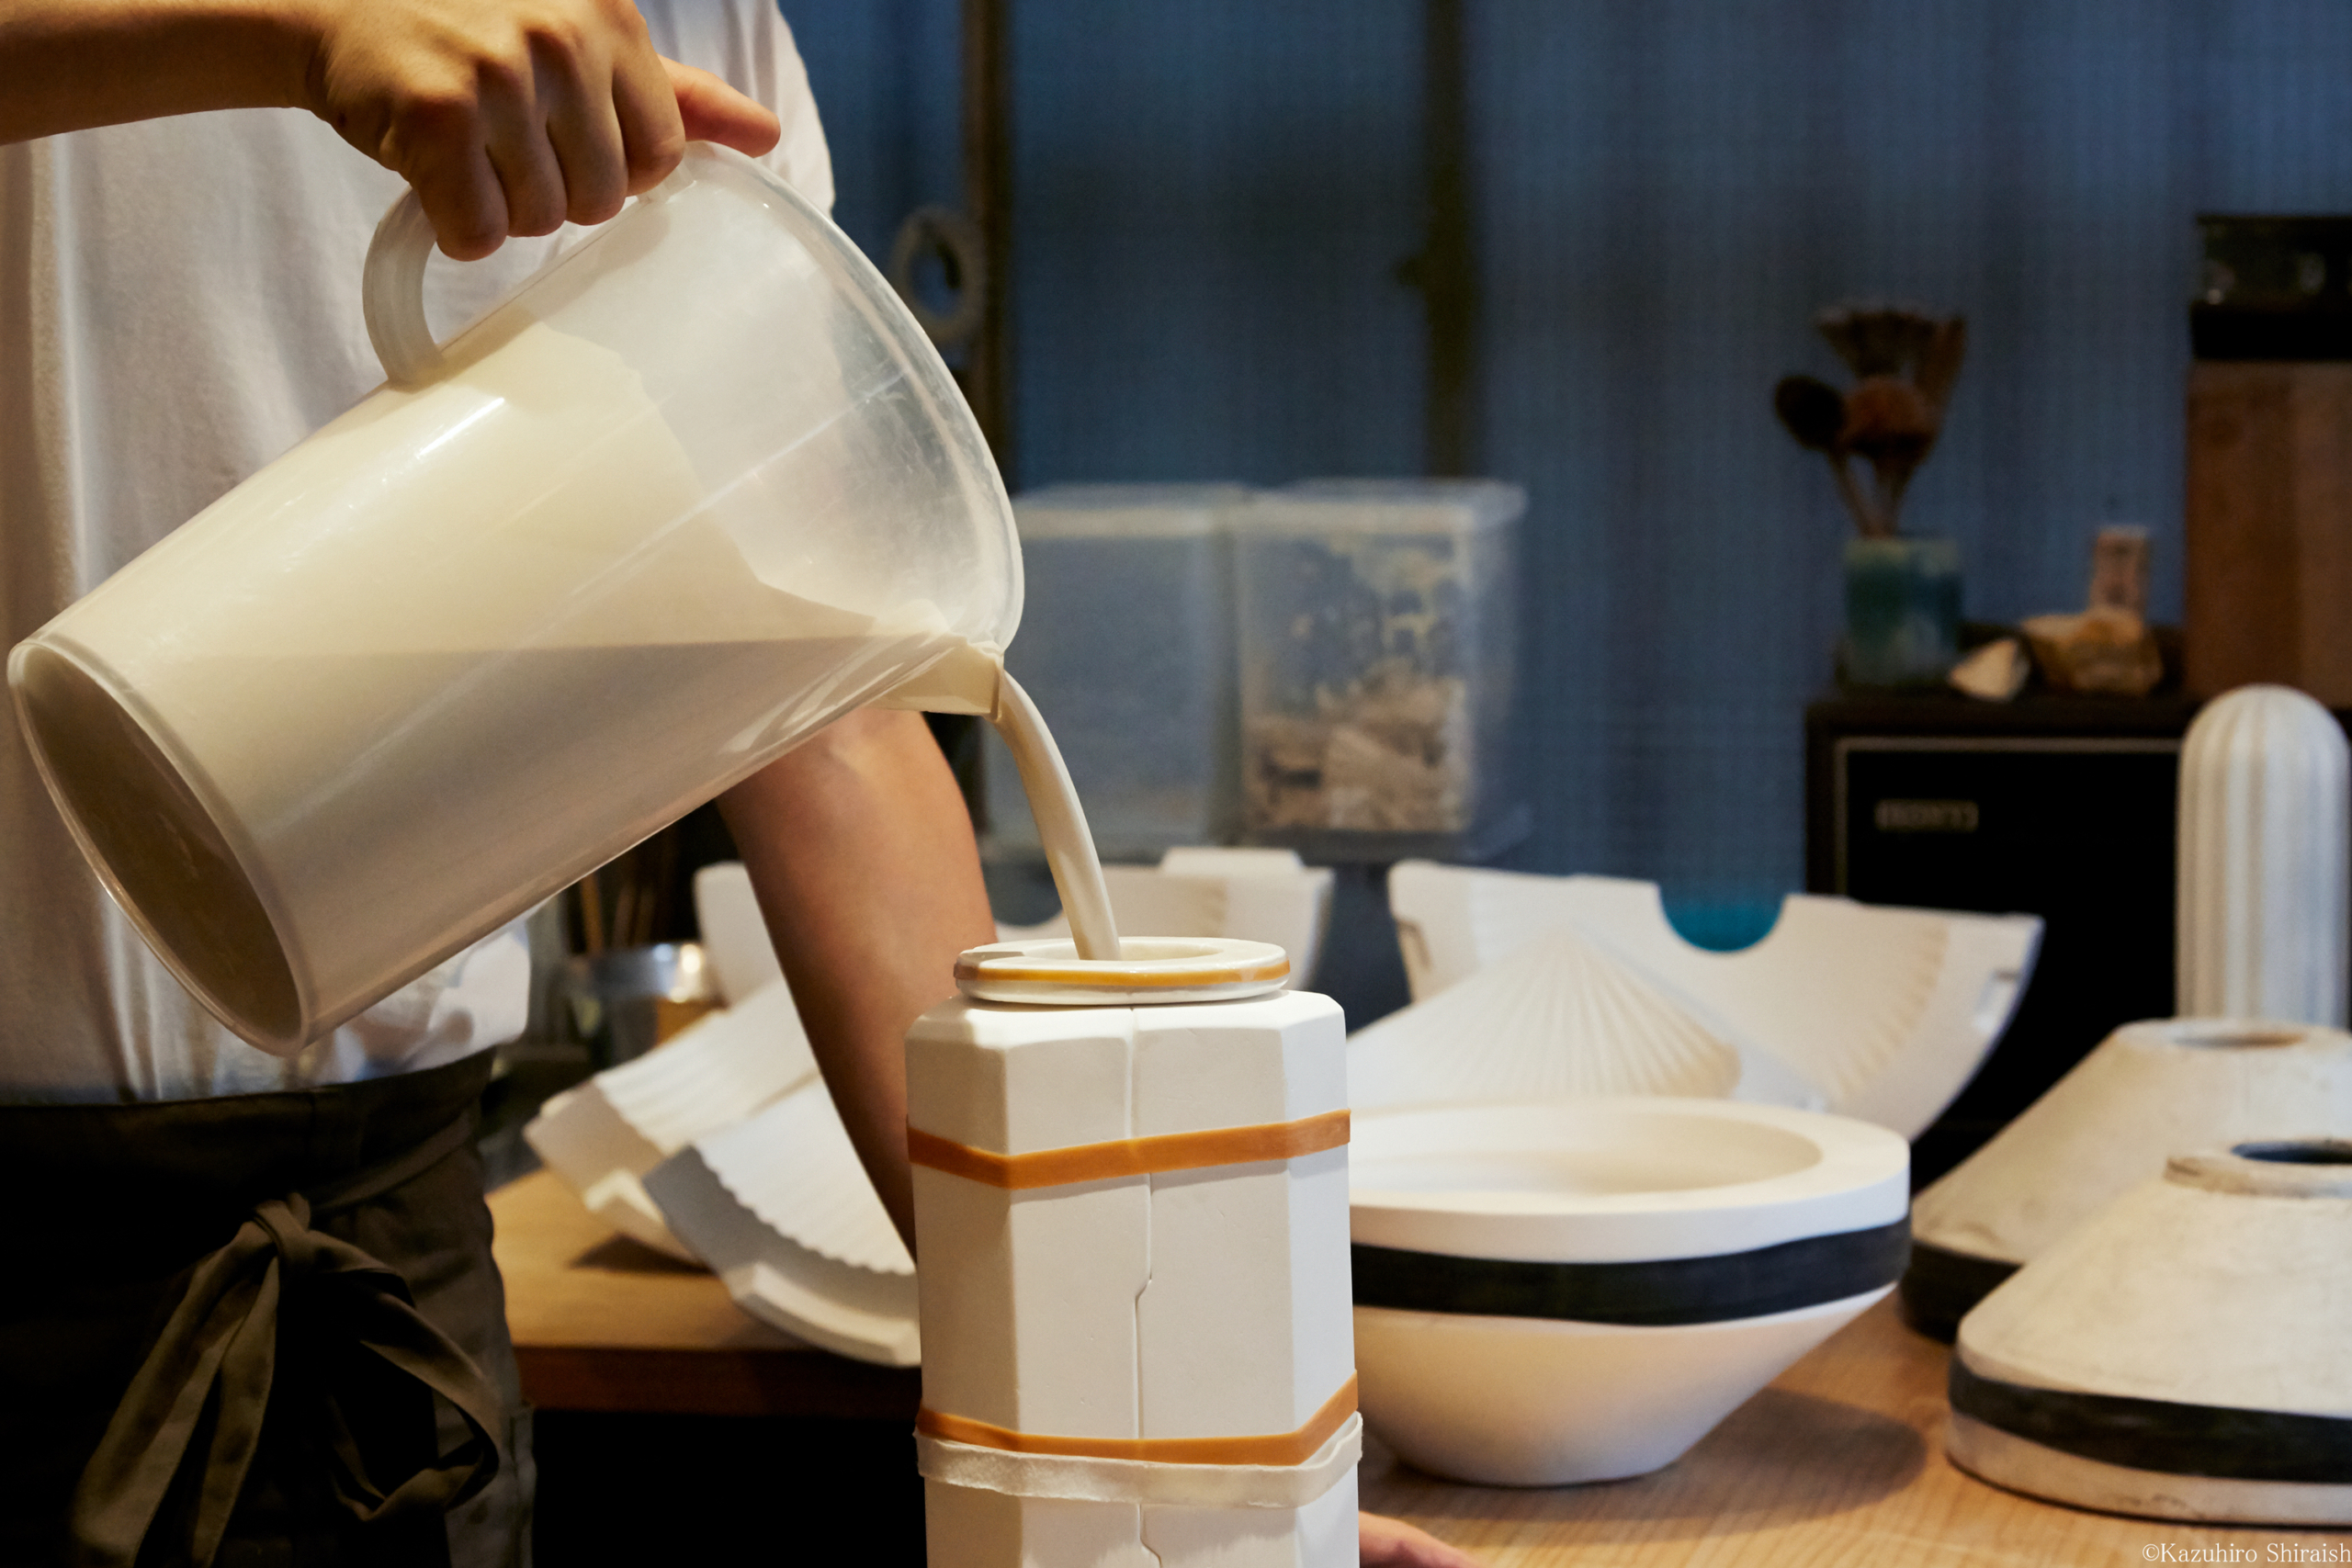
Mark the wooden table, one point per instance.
(603, 1324)
(1840, 1462)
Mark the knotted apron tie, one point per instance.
(217, 1356)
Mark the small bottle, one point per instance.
(1131, 1216)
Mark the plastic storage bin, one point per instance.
(1378, 654)
(1128, 647)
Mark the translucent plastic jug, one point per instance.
(691, 492)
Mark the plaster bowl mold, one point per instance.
(1579, 1289)
(1879, 1013)
(2180, 1355)
(2148, 1091)
(780, 1209)
(602, 1137)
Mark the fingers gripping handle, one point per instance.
(391, 294)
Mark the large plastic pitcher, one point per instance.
(692, 491)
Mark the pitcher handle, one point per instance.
(391, 294)
(391, 284)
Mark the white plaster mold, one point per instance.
(2149, 1090)
(1558, 1016)
(734, 933)
(2217, 1285)
(779, 1207)
(2262, 863)
(1544, 1402)
(1208, 1303)
(1879, 1013)
(603, 1138)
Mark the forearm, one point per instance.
(70, 64)
(863, 858)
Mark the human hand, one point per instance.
(1383, 1543)
(510, 116)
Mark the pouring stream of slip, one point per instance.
(1061, 821)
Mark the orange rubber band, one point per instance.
(1130, 1157)
(1278, 1447)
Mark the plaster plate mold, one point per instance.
(1578, 1290)
(1879, 1013)
(1133, 1223)
(779, 1207)
(1555, 1017)
(2263, 862)
(2181, 1354)
(2148, 1091)
(603, 1138)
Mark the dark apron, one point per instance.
(259, 1330)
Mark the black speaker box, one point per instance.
(2057, 807)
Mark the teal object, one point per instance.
(1902, 611)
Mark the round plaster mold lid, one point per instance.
(1149, 971)
(2270, 1168)
(1617, 1178)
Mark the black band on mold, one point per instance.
(1942, 1287)
(2210, 1441)
(1656, 1293)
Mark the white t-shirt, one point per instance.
(179, 303)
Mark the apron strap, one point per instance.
(218, 1354)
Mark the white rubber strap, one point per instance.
(1143, 1481)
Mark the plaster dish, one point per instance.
(2148, 1091)
(602, 1137)
(1878, 1013)
(1256, 895)
(779, 1207)
(1578, 1290)
(2262, 863)
(2180, 1355)
(1557, 1018)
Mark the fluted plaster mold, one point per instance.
(2263, 863)
(779, 1207)
(602, 1137)
(1874, 1012)
(1557, 1018)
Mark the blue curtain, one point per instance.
(1214, 197)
